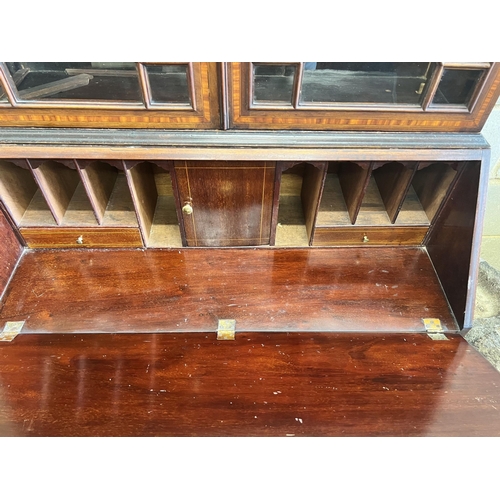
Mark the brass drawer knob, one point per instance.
(365, 239)
(187, 209)
(79, 240)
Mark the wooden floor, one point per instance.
(299, 384)
(386, 289)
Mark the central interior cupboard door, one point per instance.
(226, 203)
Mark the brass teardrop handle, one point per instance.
(187, 208)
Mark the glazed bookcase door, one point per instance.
(110, 95)
(452, 97)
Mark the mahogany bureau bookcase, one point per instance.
(242, 197)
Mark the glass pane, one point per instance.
(169, 83)
(273, 83)
(48, 81)
(364, 82)
(457, 86)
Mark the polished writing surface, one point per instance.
(188, 290)
(268, 384)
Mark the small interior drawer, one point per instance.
(82, 238)
(369, 235)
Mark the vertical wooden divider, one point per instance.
(141, 181)
(312, 190)
(57, 182)
(393, 182)
(168, 165)
(280, 167)
(354, 178)
(98, 179)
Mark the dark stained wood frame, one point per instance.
(206, 115)
(361, 117)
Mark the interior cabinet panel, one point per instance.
(230, 203)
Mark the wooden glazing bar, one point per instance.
(467, 65)
(191, 85)
(478, 90)
(145, 86)
(297, 85)
(17, 78)
(432, 86)
(8, 84)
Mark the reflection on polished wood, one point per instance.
(302, 384)
(10, 251)
(189, 290)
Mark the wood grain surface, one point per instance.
(232, 202)
(369, 235)
(10, 251)
(189, 290)
(258, 385)
(82, 237)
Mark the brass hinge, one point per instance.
(226, 329)
(434, 329)
(11, 330)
